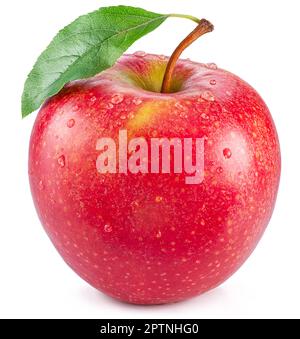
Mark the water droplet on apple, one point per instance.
(61, 161)
(109, 105)
(158, 234)
(154, 133)
(208, 96)
(93, 99)
(139, 53)
(211, 65)
(135, 204)
(227, 153)
(41, 185)
(158, 199)
(117, 99)
(213, 82)
(71, 123)
(137, 101)
(219, 170)
(107, 228)
(123, 117)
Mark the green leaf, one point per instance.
(89, 45)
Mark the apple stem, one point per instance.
(203, 27)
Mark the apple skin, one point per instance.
(151, 238)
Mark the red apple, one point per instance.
(151, 238)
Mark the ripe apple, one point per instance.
(150, 238)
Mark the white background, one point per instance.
(257, 40)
